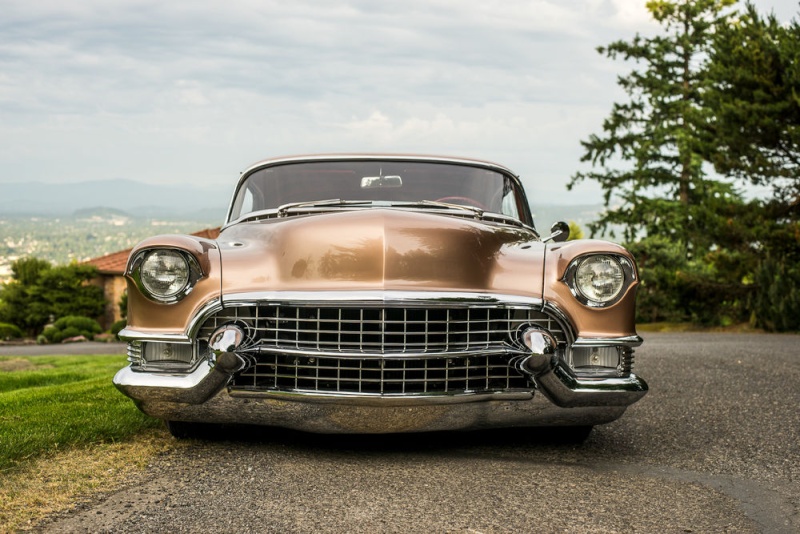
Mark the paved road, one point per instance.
(714, 447)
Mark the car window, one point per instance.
(377, 180)
(509, 206)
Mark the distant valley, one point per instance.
(135, 198)
(76, 222)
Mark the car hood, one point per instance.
(380, 249)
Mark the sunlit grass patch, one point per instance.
(65, 431)
(63, 401)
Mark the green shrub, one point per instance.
(776, 305)
(661, 263)
(71, 331)
(51, 334)
(39, 290)
(9, 331)
(84, 324)
(711, 289)
(72, 326)
(117, 327)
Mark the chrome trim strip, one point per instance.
(559, 315)
(626, 341)
(209, 308)
(385, 399)
(397, 298)
(509, 350)
(129, 334)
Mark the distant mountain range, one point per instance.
(140, 200)
(134, 198)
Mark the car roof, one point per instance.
(379, 156)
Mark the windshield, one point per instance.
(378, 180)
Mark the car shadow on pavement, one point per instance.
(409, 442)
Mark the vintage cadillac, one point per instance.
(376, 294)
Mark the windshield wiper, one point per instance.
(436, 204)
(283, 210)
(480, 213)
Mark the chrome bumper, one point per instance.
(202, 396)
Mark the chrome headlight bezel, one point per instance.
(194, 273)
(627, 270)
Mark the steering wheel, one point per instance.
(462, 200)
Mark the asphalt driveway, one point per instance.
(714, 447)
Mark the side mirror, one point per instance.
(558, 232)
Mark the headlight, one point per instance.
(598, 280)
(165, 275)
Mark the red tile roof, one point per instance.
(114, 263)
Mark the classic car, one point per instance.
(377, 294)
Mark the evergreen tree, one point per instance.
(650, 156)
(754, 90)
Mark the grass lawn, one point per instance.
(65, 430)
(51, 402)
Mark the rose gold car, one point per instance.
(381, 293)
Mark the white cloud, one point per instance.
(178, 91)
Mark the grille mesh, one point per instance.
(381, 350)
(381, 376)
(381, 330)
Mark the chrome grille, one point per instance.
(381, 330)
(381, 350)
(417, 376)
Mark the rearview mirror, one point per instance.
(376, 182)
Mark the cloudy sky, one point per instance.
(193, 92)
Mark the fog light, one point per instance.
(543, 348)
(539, 341)
(180, 353)
(226, 338)
(597, 360)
